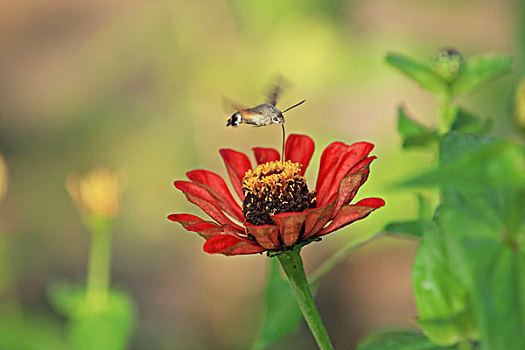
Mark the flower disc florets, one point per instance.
(273, 188)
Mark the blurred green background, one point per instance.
(136, 86)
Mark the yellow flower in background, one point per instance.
(3, 177)
(519, 107)
(97, 194)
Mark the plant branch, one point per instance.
(340, 255)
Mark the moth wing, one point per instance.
(276, 90)
(273, 94)
(230, 106)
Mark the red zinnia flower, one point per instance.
(278, 211)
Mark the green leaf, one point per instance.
(33, 332)
(480, 70)
(469, 273)
(413, 228)
(424, 209)
(398, 340)
(282, 315)
(483, 231)
(500, 295)
(473, 162)
(443, 303)
(413, 133)
(468, 123)
(494, 269)
(455, 145)
(421, 73)
(106, 328)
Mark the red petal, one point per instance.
(184, 217)
(371, 202)
(243, 248)
(219, 243)
(316, 219)
(237, 164)
(359, 166)
(290, 226)
(201, 226)
(193, 223)
(265, 155)
(331, 156)
(219, 190)
(350, 185)
(230, 245)
(222, 239)
(299, 149)
(351, 213)
(199, 196)
(266, 235)
(336, 161)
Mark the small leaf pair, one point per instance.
(414, 134)
(469, 74)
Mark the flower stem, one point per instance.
(9, 301)
(340, 255)
(465, 345)
(99, 263)
(448, 113)
(292, 265)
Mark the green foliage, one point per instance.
(282, 315)
(481, 70)
(467, 76)
(470, 266)
(413, 228)
(493, 267)
(106, 328)
(421, 73)
(398, 340)
(469, 272)
(484, 229)
(30, 333)
(468, 123)
(493, 163)
(442, 300)
(413, 133)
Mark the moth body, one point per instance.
(261, 115)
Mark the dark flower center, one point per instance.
(273, 188)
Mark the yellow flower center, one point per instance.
(273, 188)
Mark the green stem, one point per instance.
(465, 345)
(448, 113)
(339, 256)
(9, 300)
(99, 263)
(293, 267)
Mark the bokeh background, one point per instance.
(136, 86)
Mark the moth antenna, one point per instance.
(295, 105)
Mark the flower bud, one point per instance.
(97, 194)
(448, 63)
